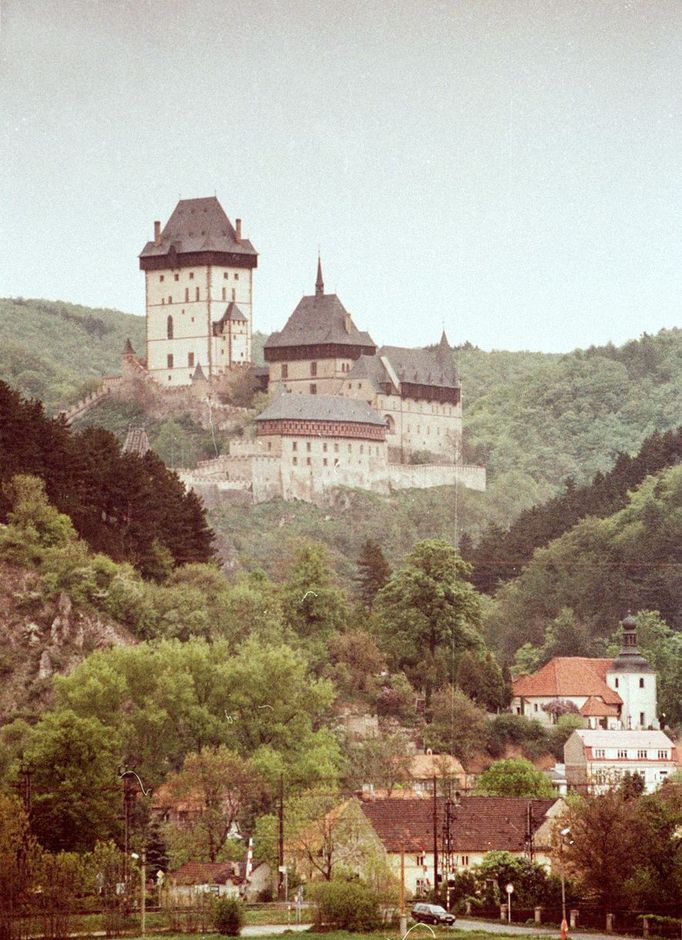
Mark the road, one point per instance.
(463, 923)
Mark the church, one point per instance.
(342, 412)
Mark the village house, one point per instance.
(609, 693)
(467, 830)
(222, 879)
(596, 760)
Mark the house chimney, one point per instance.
(157, 233)
(238, 233)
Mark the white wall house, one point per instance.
(597, 760)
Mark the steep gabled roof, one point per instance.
(434, 367)
(373, 369)
(569, 675)
(480, 823)
(231, 312)
(198, 225)
(595, 707)
(320, 320)
(321, 408)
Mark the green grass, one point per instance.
(385, 933)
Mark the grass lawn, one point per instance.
(387, 934)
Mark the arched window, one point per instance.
(169, 327)
(390, 424)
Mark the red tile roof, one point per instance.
(479, 823)
(569, 675)
(597, 707)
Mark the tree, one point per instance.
(384, 761)
(428, 614)
(373, 572)
(19, 864)
(458, 727)
(514, 777)
(313, 606)
(219, 787)
(76, 789)
(483, 681)
(529, 878)
(355, 661)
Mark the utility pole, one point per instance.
(403, 918)
(280, 882)
(436, 892)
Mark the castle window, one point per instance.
(190, 360)
(295, 461)
(324, 461)
(362, 449)
(169, 361)
(294, 445)
(269, 445)
(224, 293)
(617, 681)
(187, 295)
(176, 277)
(308, 446)
(313, 368)
(170, 299)
(191, 275)
(226, 274)
(169, 378)
(622, 753)
(336, 448)
(234, 294)
(350, 448)
(324, 448)
(169, 328)
(641, 683)
(285, 370)
(308, 461)
(197, 294)
(163, 300)
(161, 277)
(236, 276)
(313, 388)
(641, 719)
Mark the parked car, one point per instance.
(432, 914)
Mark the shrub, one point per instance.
(229, 917)
(348, 905)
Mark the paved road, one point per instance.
(491, 927)
(462, 924)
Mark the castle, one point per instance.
(343, 411)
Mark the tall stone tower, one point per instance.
(198, 293)
(634, 680)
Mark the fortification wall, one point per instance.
(423, 476)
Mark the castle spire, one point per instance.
(319, 283)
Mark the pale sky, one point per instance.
(507, 168)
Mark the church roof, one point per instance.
(320, 408)
(198, 225)
(569, 676)
(319, 319)
(434, 367)
(233, 313)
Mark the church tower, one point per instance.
(198, 293)
(635, 681)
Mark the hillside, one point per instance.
(52, 350)
(533, 419)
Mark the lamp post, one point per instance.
(564, 923)
(143, 878)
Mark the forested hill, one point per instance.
(534, 419)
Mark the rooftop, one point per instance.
(569, 675)
(198, 225)
(480, 823)
(320, 408)
(597, 737)
(320, 319)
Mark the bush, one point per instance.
(348, 905)
(229, 916)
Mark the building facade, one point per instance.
(613, 694)
(198, 294)
(597, 760)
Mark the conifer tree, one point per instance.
(373, 572)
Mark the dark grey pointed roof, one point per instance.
(232, 312)
(434, 367)
(320, 408)
(199, 374)
(320, 320)
(128, 348)
(373, 369)
(198, 225)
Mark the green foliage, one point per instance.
(42, 346)
(513, 778)
(313, 606)
(532, 885)
(229, 916)
(458, 726)
(384, 761)
(483, 681)
(427, 614)
(348, 905)
(373, 572)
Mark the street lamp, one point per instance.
(564, 924)
(143, 879)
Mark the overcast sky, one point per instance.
(507, 168)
